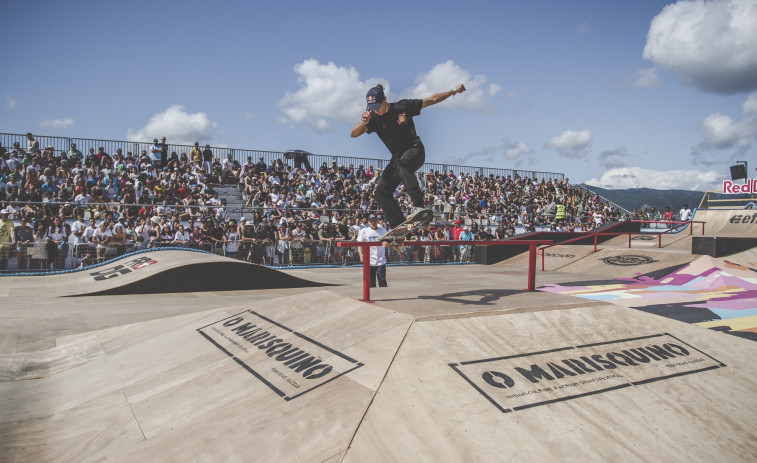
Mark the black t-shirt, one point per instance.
(395, 127)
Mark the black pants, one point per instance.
(401, 170)
(300, 160)
(379, 272)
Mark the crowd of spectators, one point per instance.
(106, 203)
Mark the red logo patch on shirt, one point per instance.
(401, 119)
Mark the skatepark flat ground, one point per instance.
(450, 363)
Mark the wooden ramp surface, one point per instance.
(452, 363)
(541, 385)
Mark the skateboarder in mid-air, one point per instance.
(393, 122)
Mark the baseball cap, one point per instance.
(374, 98)
(372, 217)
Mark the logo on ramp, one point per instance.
(627, 260)
(123, 268)
(522, 381)
(289, 363)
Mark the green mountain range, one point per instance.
(639, 198)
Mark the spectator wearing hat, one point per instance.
(120, 239)
(377, 254)
(246, 239)
(6, 237)
(231, 240)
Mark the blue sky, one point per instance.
(619, 94)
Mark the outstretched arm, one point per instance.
(439, 97)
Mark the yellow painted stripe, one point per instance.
(736, 324)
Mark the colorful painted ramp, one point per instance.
(717, 293)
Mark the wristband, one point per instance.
(454, 90)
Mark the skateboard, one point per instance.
(396, 236)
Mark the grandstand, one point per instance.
(144, 192)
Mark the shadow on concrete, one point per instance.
(474, 297)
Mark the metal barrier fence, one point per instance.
(43, 257)
(316, 160)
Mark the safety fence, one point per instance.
(45, 255)
(240, 155)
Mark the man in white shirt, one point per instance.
(102, 238)
(77, 232)
(377, 253)
(685, 213)
(89, 231)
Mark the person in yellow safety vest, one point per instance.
(559, 212)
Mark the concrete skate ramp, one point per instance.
(555, 257)
(159, 271)
(499, 388)
(625, 263)
(334, 380)
(203, 387)
(678, 241)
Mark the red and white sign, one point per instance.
(749, 186)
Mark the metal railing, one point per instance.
(240, 155)
(43, 257)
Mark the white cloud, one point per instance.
(712, 44)
(639, 177)
(516, 149)
(331, 93)
(57, 124)
(750, 105)
(571, 143)
(612, 158)
(722, 133)
(10, 103)
(447, 75)
(645, 78)
(327, 93)
(177, 125)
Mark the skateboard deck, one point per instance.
(398, 233)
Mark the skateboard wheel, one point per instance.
(410, 227)
(385, 244)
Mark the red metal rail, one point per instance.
(532, 245)
(596, 234)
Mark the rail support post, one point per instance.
(531, 266)
(366, 274)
